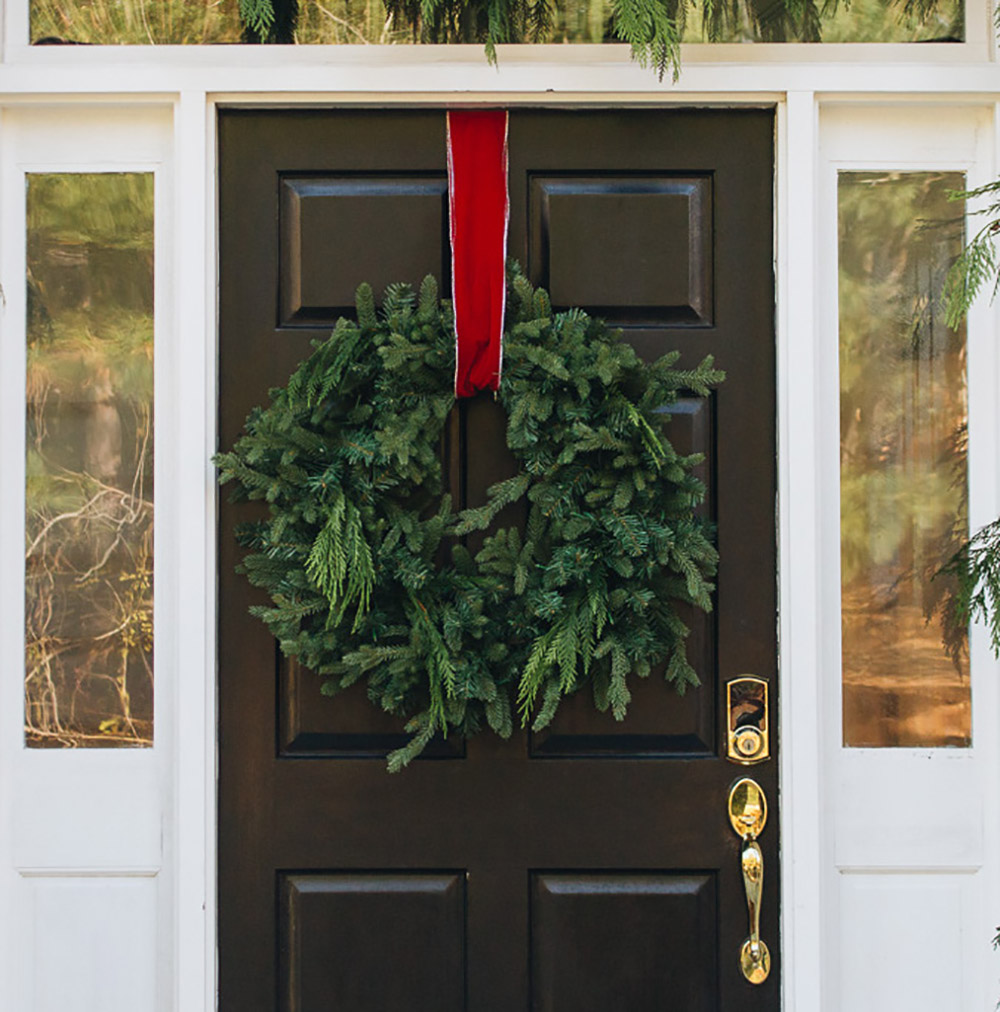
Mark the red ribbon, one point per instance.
(479, 209)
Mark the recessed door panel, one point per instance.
(656, 230)
(657, 930)
(369, 942)
(319, 278)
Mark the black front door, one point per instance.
(590, 868)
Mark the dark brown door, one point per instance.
(591, 868)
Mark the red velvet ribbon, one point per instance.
(479, 209)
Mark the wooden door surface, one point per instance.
(591, 867)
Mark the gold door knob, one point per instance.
(748, 816)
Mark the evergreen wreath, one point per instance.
(361, 552)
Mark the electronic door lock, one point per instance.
(747, 720)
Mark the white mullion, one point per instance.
(194, 418)
(12, 505)
(14, 28)
(798, 522)
(979, 27)
(984, 506)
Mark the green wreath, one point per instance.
(361, 553)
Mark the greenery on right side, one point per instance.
(975, 567)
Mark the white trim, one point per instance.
(73, 817)
(188, 406)
(875, 836)
(459, 73)
(379, 75)
(798, 533)
(195, 749)
(979, 44)
(11, 554)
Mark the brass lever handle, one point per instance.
(753, 881)
(748, 815)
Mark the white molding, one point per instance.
(11, 557)
(979, 45)
(878, 830)
(195, 755)
(76, 815)
(12, 463)
(460, 74)
(195, 91)
(801, 867)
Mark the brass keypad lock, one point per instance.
(747, 720)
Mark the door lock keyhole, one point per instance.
(747, 720)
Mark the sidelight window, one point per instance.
(903, 480)
(89, 460)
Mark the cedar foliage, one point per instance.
(976, 595)
(269, 21)
(975, 567)
(652, 28)
(362, 553)
(978, 264)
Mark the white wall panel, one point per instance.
(896, 810)
(91, 809)
(93, 944)
(904, 942)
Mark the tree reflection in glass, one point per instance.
(89, 494)
(903, 484)
(338, 22)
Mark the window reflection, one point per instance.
(333, 22)
(89, 490)
(903, 487)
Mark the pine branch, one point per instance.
(423, 728)
(500, 495)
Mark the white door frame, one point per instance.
(193, 87)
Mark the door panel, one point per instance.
(658, 932)
(661, 226)
(592, 865)
(335, 932)
(318, 279)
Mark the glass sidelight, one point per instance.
(89, 460)
(903, 482)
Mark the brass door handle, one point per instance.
(748, 815)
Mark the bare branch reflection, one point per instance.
(89, 496)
